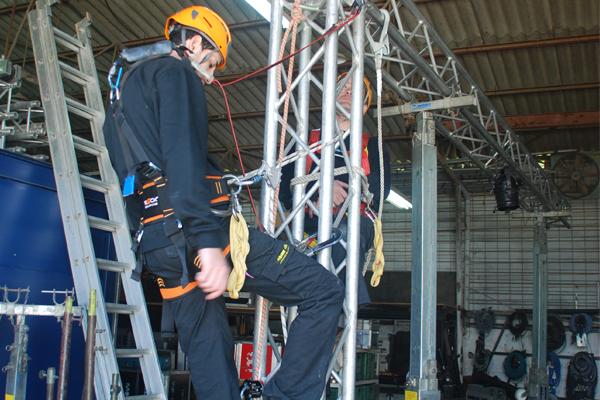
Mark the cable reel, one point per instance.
(580, 324)
(515, 365)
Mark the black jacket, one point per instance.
(165, 105)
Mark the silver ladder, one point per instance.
(69, 184)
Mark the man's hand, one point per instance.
(214, 272)
(339, 196)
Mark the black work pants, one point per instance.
(284, 276)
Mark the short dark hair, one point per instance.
(175, 36)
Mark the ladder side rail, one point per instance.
(140, 321)
(68, 184)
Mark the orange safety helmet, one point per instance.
(206, 22)
(368, 95)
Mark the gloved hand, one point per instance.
(379, 262)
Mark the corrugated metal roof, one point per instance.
(462, 23)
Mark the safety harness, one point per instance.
(148, 183)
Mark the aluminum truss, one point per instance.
(300, 90)
(430, 71)
(18, 131)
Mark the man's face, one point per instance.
(345, 97)
(214, 60)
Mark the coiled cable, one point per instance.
(554, 371)
(484, 320)
(580, 323)
(555, 333)
(515, 366)
(520, 327)
(583, 367)
(482, 359)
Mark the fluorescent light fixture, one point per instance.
(398, 200)
(263, 7)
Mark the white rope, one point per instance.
(378, 59)
(366, 197)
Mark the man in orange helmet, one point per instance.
(370, 164)
(156, 131)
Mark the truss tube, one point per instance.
(414, 10)
(353, 243)
(423, 66)
(302, 132)
(327, 134)
(389, 80)
(422, 379)
(462, 148)
(431, 76)
(538, 376)
(267, 192)
(497, 147)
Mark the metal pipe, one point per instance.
(267, 193)
(302, 132)
(460, 272)
(90, 349)
(50, 378)
(422, 380)
(115, 389)
(65, 349)
(355, 189)
(327, 134)
(16, 370)
(538, 375)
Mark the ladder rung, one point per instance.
(113, 266)
(74, 74)
(146, 397)
(88, 146)
(104, 224)
(121, 308)
(67, 40)
(95, 184)
(82, 110)
(132, 353)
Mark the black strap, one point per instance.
(167, 325)
(173, 231)
(132, 147)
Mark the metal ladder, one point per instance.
(69, 183)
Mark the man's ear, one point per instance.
(365, 108)
(195, 44)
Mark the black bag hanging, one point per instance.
(582, 377)
(506, 191)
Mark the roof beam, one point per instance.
(531, 122)
(522, 45)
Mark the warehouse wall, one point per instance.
(500, 254)
(499, 258)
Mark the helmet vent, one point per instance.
(195, 14)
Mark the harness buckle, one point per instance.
(149, 170)
(138, 235)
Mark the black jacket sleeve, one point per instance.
(374, 177)
(182, 119)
